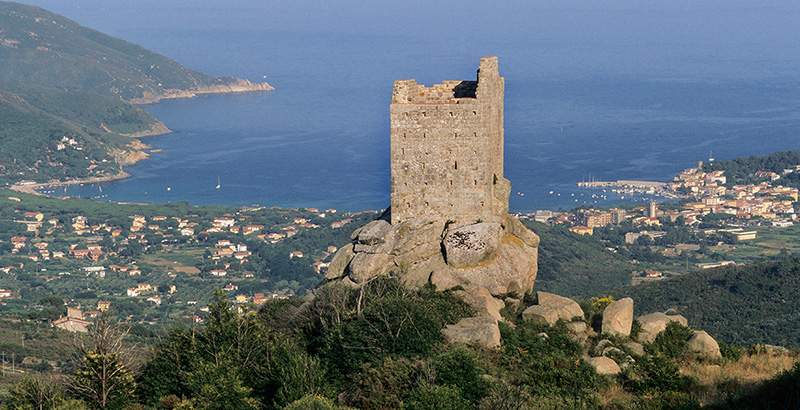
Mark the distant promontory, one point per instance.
(67, 95)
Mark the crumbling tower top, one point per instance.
(447, 148)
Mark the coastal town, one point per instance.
(159, 266)
(701, 193)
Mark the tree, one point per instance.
(103, 379)
(36, 392)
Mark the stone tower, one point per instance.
(447, 149)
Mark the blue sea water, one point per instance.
(613, 91)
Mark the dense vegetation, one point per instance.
(740, 171)
(743, 305)
(59, 79)
(380, 347)
(572, 264)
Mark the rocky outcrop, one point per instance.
(497, 256)
(226, 85)
(655, 323)
(618, 317)
(700, 342)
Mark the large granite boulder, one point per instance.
(618, 317)
(483, 302)
(565, 308)
(700, 342)
(472, 245)
(339, 263)
(481, 329)
(655, 323)
(604, 365)
(540, 314)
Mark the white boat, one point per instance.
(219, 184)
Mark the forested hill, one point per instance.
(741, 171)
(743, 305)
(64, 83)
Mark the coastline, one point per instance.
(138, 148)
(32, 188)
(237, 85)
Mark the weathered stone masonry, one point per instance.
(447, 149)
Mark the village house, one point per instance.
(132, 292)
(230, 287)
(5, 293)
(73, 321)
(295, 254)
(103, 305)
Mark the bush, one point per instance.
(459, 368)
(671, 343)
(311, 402)
(436, 398)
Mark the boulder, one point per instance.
(604, 365)
(514, 267)
(576, 327)
(443, 280)
(365, 266)
(704, 344)
(516, 228)
(601, 347)
(635, 348)
(540, 314)
(416, 235)
(472, 245)
(483, 302)
(655, 323)
(618, 317)
(374, 232)
(481, 329)
(416, 275)
(566, 308)
(339, 262)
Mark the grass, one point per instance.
(730, 379)
(179, 261)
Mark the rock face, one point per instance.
(704, 344)
(655, 323)
(498, 255)
(618, 317)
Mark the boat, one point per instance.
(218, 183)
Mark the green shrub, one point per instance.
(434, 397)
(459, 368)
(311, 402)
(671, 343)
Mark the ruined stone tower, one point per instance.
(447, 149)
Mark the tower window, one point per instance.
(455, 164)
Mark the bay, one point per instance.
(605, 92)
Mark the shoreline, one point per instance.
(235, 87)
(33, 188)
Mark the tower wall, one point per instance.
(447, 148)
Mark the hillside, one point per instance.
(743, 305)
(575, 265)
(62, 82)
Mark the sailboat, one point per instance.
(710, 156)
(218, 183)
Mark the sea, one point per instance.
(611, 90)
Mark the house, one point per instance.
(5, 293)
(582, 230)
(144, 287)
(73, 321)
(259, 299)
(223, 222)
(38, 216)
(103, 305)
(154, 299)
(230, 287)
(218, 272)
(132, 292)
(295, 254)
(249, 275)
(241, 298)
(653, 274)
